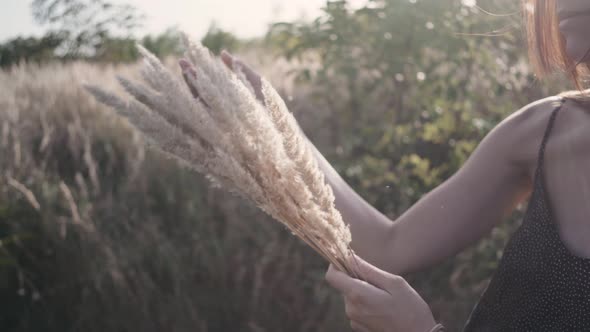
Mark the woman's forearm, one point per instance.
(413, 242)
(416, 240)
(371, 230)
(442, 223)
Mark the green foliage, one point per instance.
(403, 62)
(80, 29)
(124, 50)
(85, 24)
(31, 49)
(165, 44)
(107, 49)
(116, 50)
(217, 40)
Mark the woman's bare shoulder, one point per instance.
(522, 132)
(534, 116)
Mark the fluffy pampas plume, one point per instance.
(213, 122)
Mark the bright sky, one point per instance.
(245, 18)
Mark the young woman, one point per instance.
(541, 152)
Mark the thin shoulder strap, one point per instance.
(541, 159)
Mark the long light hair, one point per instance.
(547, 46)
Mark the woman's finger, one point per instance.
(237, 65)
(378, 277)
(189, 74)
(227, 59)
(351, 310)
(188, 70)
(342, 282)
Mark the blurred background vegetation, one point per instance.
(98, 234)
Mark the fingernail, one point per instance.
(187, 68)
(185, 65)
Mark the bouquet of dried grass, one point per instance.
(250, 146)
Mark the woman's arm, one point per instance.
(458, 212)
(454, 215)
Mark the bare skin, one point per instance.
(496, 178)
(574, 25)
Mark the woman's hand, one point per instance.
(235, 65)
(384, 303)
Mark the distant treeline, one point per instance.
(75, 33)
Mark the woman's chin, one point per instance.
(578, 54)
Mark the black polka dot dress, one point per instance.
(540, 285)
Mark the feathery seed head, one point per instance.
(211, 121)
